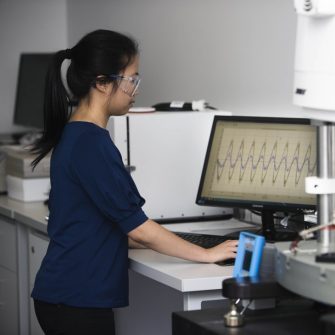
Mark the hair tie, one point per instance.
(68, 54)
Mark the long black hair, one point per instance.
(101, 52)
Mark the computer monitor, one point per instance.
(259, 163)
(30, 89)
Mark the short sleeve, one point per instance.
(97, 165)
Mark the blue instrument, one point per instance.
(249, 255)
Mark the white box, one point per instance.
(28, 189)
(18, 163)
(167, 151)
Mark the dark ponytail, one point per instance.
(56, 101)
(101, 52)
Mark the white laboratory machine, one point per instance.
(309, 270)
(164, 152)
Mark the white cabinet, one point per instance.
(38, 244)
(9, 312)
(17, 315)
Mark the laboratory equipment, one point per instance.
(165, 152)
(314, 91)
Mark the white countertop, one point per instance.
(185, 276)
(33, 214)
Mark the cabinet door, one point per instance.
(8, 302)
(38, 245)
(8, 245)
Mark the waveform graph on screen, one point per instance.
(263, 160)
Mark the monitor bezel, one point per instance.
(250, 204)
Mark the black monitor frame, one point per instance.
(29, 101)
(267, 209)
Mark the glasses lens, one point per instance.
(129, 85)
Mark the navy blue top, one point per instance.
(93, 204)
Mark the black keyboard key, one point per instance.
(202, 240)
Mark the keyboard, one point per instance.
(207, 241)
(202, 240)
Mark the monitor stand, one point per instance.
(272, 234)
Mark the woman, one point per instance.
(95, 207)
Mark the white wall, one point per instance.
(238, 55)
(26, 26)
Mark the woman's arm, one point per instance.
(134, 245)
(154, 236)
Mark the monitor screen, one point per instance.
(30, 89)
(259, 163)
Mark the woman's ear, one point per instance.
(103, 85)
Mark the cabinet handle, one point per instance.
(33, 250)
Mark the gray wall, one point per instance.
(26, 26)
(238, 55)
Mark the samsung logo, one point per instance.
(257, 206)
(300, 91)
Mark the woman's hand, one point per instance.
(223, 251)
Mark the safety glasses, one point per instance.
(128, 85)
